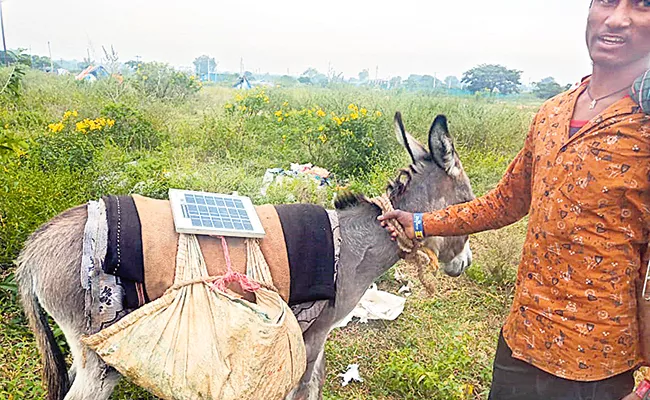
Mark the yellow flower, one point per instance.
(145, 77)
(364, 112)
(278, 113)
(284, 137)
(239, 97)
(353, 107)
(285, 104)
(280, 119)
(377, 113)
(110, 122)
(323, 138)
(57, 127)
(75, 113)
(338, 120)
(228, 106)
(242, 108)
(354, 115)
(320, 113)
(370, 144)
(321, 128)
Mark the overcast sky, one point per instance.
(541, 38)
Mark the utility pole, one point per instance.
(51, 62)
(4, 42)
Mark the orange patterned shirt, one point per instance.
(574, 313)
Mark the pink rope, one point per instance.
(231, 276)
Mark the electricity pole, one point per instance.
(4, 43)
(49, 49)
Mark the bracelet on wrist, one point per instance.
(418, 225)
(643, 390)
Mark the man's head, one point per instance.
(618, 33)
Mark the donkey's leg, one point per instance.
(92, 380)
(49, 277)
(311, 383)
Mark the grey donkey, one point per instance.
(48, 271)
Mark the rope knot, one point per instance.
(411, 250)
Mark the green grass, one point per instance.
(441, 347)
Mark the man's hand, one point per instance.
(631, 396)
(404, 218)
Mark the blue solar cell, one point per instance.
(227, 224)
(192, 208)
(239, 204)
(229, 203)
(206, 222)
(199, 199)
(220, 202)
(209, 200)
(203, 210)
(248, 226)
(238, 225)
(217, 223)
(196, 222)
(189, 198)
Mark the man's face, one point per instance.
(618, 32)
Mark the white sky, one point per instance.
(542, 38)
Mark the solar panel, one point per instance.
(206, 213)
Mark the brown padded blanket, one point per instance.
(160, 243)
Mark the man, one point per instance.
(583, 177)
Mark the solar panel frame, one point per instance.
(205, 213)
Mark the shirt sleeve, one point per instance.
(502, 206)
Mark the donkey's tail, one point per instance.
(54, 367)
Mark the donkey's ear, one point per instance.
(414, 148)
(441, 146)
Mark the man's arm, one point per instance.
(504, 205)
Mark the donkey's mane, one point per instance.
(395, 189)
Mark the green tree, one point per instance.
(204, 64)
(395, 82)
(451, 82)
(492, 77)
(547, 88)
(364, 76)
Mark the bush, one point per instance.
(131, 129)
(160, 81)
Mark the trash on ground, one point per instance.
(319, 174)
(375, 304)
(352, 374)
(406, 289)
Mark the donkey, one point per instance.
(49, 269)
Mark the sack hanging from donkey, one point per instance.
(197, 342)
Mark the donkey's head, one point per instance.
(434, 180)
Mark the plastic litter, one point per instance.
(352, 374)
(320, 175)
(375, 305)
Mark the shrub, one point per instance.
(160, 81)
(131, 129)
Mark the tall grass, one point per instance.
(201, 143)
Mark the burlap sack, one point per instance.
(198, 343)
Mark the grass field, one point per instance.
(83, 141)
